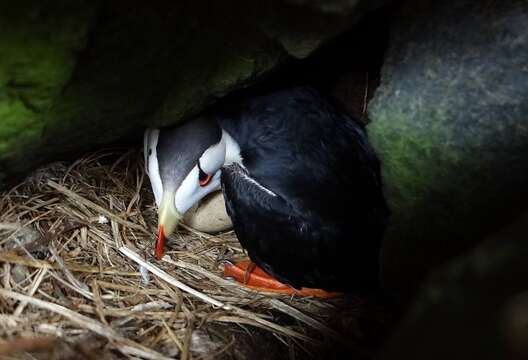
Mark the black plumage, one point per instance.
(322, 221)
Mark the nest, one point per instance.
(71, 289)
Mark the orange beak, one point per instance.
(160, 244)
(168, 219)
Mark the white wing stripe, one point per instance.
(257, 184)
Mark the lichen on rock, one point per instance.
(449, 123)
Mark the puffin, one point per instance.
(301, 184)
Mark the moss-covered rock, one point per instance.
(78, 74)
(475, 307)
(450, 124)
(39, 43)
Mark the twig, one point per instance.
(6, 279)
(151, 306)
(217, 279)
(216, 354)
(175, 294)
(34, 287)
(130, 289)
(116, 312)
(293, 312)
(365, 96)
(126, 346)
(95, 207)
(257, 323)
(274, 303)
(171, 280)
(87, 294)
(172, 336)
(99, 305)
(209, 237)
(24, 344)
(10, 258)
(155, 315)
(73, 280)
(186, 350)
(9, 226)
(252, 317)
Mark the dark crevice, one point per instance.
(347, 67)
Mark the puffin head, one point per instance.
(188, 159)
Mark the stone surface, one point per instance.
(209, 215)
(449, 123)
(19, 273)
(22, 237)
(475, 307)
(75, 75)
(39, 43)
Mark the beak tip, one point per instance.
(160, 244)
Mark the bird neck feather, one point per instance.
(232, 149)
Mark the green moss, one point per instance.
(31, 76)
(18, 126)
(453, 153)
(33, 72)
(147, 64)
(38, 43)
(413, 156)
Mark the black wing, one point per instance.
(297, 249)
(324, 226)
(314, 155)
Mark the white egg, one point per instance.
(209, 215)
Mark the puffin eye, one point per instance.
(203, 178)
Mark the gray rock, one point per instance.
(23, 237)
(449, 123)
(79, 74)
(19, 273)
(475, 307)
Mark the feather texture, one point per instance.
(323, 227)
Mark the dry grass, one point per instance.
(70, 289)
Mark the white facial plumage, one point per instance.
(177, 192)
(211, 162)
(150, 143)
(190, 191)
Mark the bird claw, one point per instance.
(225, 261)
(249, 269)
(251, 276)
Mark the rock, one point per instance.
(24, 237)
(75, 75)
(449, 123)
(475, 307)
(39, 43)
(209, 215)
(19, 273)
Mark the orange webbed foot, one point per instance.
(248, 274)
